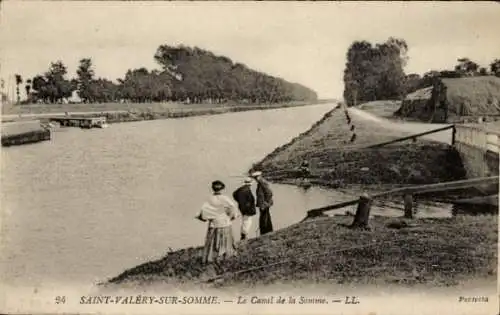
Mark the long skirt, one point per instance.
(265, 223)
(219, 244)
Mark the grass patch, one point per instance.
(336, 162)
(440, 252)
(385, 109)
(473, 95)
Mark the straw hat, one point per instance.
(257, 173)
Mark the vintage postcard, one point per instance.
(197, 157)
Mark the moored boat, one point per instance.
(24, 132)
(80, 121)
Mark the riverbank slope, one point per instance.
(424, 251)
(339, 160)
(434, 252)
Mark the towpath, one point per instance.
(409, 127)
(45, 115)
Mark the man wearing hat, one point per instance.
(246, 204)
(264, 203)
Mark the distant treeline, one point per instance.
(191, 75)
(376, 72)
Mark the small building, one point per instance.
(414, 102)
(455, 100)
(74, 98)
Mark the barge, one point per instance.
(80, 121)
(24, 132)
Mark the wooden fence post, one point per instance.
(408, 202)
(453, 135)
(362, 212)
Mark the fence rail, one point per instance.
(412, 190)
(413, 136)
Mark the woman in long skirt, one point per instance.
(219, 211)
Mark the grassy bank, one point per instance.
(337, 162)
(436, 252)
(430, 251)
(385, 109)
(118, 112)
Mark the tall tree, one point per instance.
(60, 87)
(199, 76)
(466, 67)
(189, 74)
(412, 82)
(28, 89)
(375, 72)
(495, 67)
(393, 59)
(85, 76)
(19, 81)
(53, 86)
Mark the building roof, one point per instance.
(422, 94)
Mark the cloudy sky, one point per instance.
(303, 42)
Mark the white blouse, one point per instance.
(219, 210)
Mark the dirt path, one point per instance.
(412, 127)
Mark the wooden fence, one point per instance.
(409, 191)
(411, 137)
(478, 136)
(376, 145)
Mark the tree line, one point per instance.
(190, 75)
(376, 72)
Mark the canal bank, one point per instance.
(44, 118)
(353, 151)
(433, 251)
(128, 112)
(23, 132)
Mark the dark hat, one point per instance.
(218, 185)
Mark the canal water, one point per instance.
(91, 203)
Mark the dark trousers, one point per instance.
(265, 223)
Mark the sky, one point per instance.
(304, 42)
